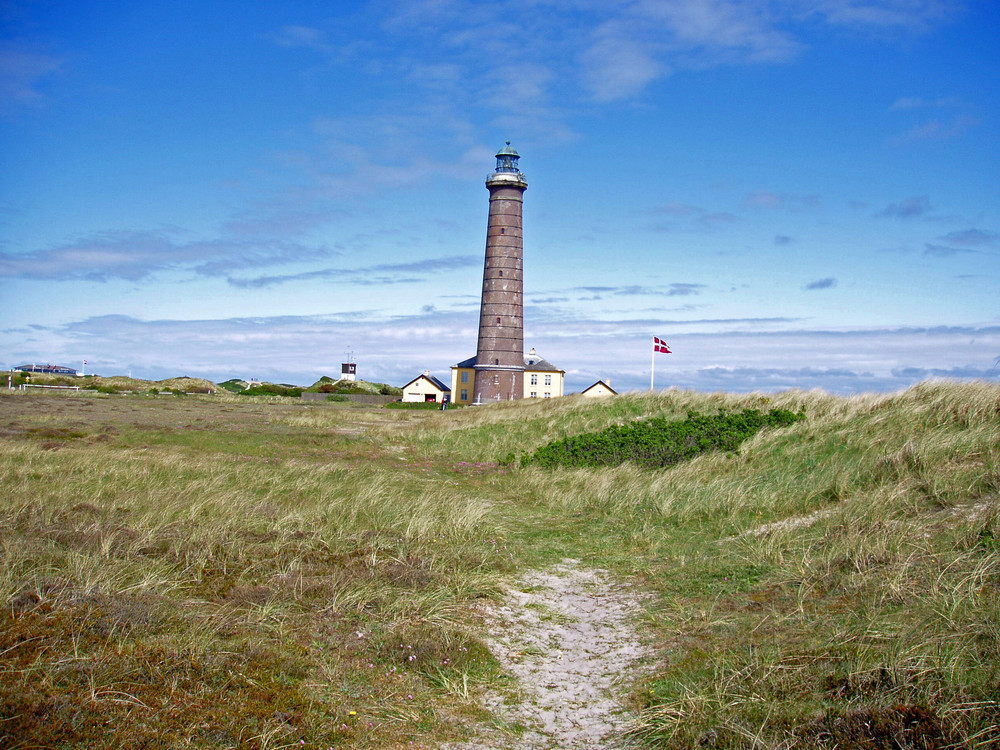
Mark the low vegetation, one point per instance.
(324, 385)
(347, 387)
(659, 442)
(219, 572)
(270, 389)
(425, 405)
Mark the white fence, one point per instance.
(25, 386)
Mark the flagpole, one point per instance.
(652, 366)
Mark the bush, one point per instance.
(346, 386)
(413, 405)
(18, 378)
(656, 443)
(270, 389)
(336, 397)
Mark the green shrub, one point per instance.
(413, 405)
(270, 389)
(233, 386)
(657, 442)
(336, 397)
(344, 386)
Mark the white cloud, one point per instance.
(383, 274)
(916, 102)
(22, 71)
(618, 67)
(137, 255)
(904, 15)
(789, 201)
(737, 355)
(939, 130)
(957, 119)
(303, 36)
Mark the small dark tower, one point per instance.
(500, 352)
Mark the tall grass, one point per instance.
(832, 583)
(197, 580)
(207, 572)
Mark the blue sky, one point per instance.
(793, 193)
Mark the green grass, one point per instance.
(211, 572)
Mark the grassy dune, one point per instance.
(202, 572)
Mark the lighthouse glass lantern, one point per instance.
(507, 159)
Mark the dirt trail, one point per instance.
(566, 634)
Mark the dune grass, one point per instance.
(202, 572)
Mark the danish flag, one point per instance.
(659, 345)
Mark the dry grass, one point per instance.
(199, 587)
(207, 572)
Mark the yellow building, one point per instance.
(425, 389)
(542, 379)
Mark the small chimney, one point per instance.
(427, 373)
(532, 352)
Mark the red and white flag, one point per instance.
(659, 345)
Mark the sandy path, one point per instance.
(566, 634)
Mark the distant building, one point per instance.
(542, 379)
(598, 389)
(348, 371)
(47, 369)
(425, 389)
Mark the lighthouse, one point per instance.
(499, 364)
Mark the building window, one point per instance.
(534, 380)
(465, 396)
(548, 395)
(548, 380)
(498, 321)
(534, 394)
(465, 377)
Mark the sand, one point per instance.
(568, 637)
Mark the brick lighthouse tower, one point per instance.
(500, 352)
